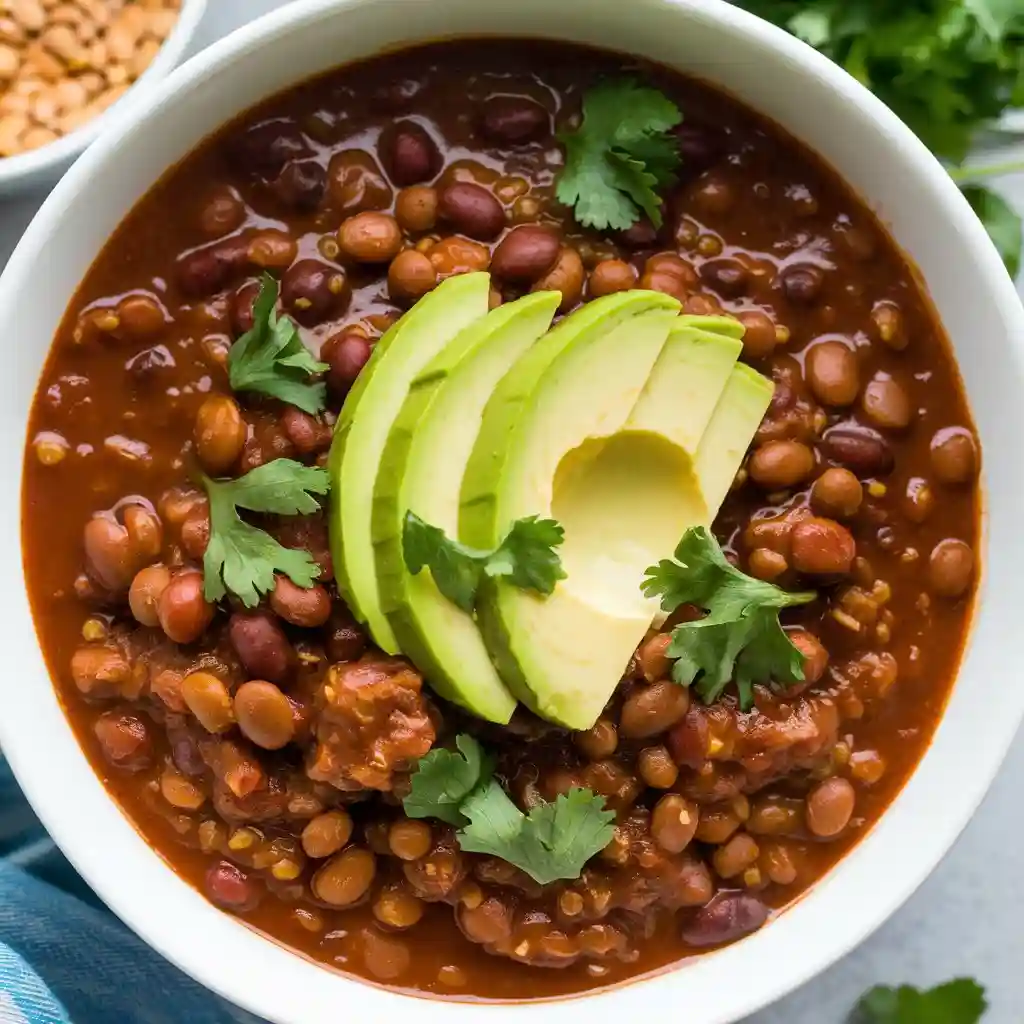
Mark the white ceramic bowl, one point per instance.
(875, 153)
(41, 167)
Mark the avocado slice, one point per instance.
(362, 431)
(421, 470)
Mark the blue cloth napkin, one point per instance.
(64, 959)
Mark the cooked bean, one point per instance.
(345, 640)
(837, 493)
(408, 839)
(888, 324)
(312, 291)
(729, 916)
(822, 547)
(180, 792)
(779, 465)
(346, 354)
(183, 611)
(264, 714)
(765, 564)
(307, 434)
(261, 645)
(223, 213)
(410, 276)
(266, 147)
(954, 456)
(514, 119)
(472, 210)
(725, 275)
(115, 551)
(228, 886)
(830, 807)
(858, 449)
(346, 878)
(653, 657)
(301, 606)
(814, 652)
(355, 182)
(397, 908)
(326, 834)
(653, 709)
(717, 824)
(408, 153)
(195, 532)
(385, 958)
(272, 249)
(833, 373)
(759, 334)
(738, 854)
(525, 254)
(777, 863)
(919, 500)
(950, 568)
(125, 740)
(219, 433)
(599, 741)
(242, 305)
(144, 593)
(775, 816)
(610, 276)
(370, 237)
(886, 404)
(674, 822)
(641, 234)
(100, 671)
(301, 185)
(566, 276)
(416, 209)
(802, 284)
(208, 699)
(142, 317)
(454, 255)
(657, 768)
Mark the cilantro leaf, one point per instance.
(553, 841)
(740, 638)
(443, 779)
(526, 558)
(271, 359)
(242, 559)
(620, 154)
(1001, 221)
(957, 1002)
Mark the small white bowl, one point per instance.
(820, 104)
(39, 168)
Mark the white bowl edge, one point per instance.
(843, 123)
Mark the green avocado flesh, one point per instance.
(362, 432)
(598, 426)
(421, 471)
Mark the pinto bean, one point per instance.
(653, 709)
(610, 276)
(301, 606)
(837, 493)
(778, 465)
(822, 547)
(954, 456)
(144, 594)
(833, 373)
(370, 237)
(219, 433)
(566, 276)
(264, 714)
(416, 209)
(830, 807)
(950, 568)
(183, 611)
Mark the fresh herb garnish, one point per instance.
(553, 841)
(620, 155)
(957, 1002)
(242, 559)
(443, 779)
(947, 67)
(740, 639)
(271, 359)
(525, 558)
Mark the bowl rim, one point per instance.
(49, 158)
(251, 977)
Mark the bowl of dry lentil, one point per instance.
(64, 64)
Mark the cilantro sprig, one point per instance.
(242, 559)
(740, 638)
(957, 1002)
(271, 359)
(553, 841)
(526, 558)
(620, 156)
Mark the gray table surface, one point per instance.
(965, 920)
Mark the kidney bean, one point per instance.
(954, 456)
(306, 433)
(219, 433)
(229, 887)
(713, 196)
(802, 284)
(265, 148)
(261, 645)
(860, 450)
(514, 120)
(301, 185)
(312, 291)
(242, 303)
(125, 740)
(345, 640)
(355, 182)
(183, 611)
(525, 254)
(410, 276)
(472, 210)
(144, 594)
(301, 606)
(833, 373)
(223, 213)
(886, 404)
(641, 234)
(729, 916)
(408, 153)
(726, 276)
(950, 568)
(205, 271)
(699, 146)
(566, 276)
(822, 547)
(370, 237)
(416, 209)
(837, 493)
(778, 465)
(346, 354)
(653, 709)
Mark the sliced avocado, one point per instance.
(555, 442)
(363, 427)
(734, 422)
(421, 470)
